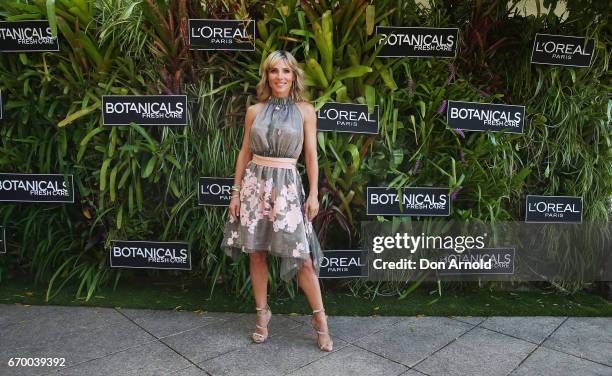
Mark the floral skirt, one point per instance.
(272, 219)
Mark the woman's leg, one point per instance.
(309, 282)
(258, 269)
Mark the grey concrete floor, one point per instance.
(107, 341)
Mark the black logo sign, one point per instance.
(347, 117)
(418, 41)
(36, 188)
(562, 50)
(473, 116)
(553, 209)
(478, 261)
(2, 240)
(427, 201)
(27, 36)
(215, 191)
(151, 255)
(343, 264)
(230, 35)
(144, 109)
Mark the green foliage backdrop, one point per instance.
(140, 183)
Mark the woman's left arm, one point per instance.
(311, 206)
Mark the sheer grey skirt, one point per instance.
(272, 219)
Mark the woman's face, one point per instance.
(280, 78)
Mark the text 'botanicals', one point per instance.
(426, 201)
(473, 116)
(232, 35)
(146, 254)
(27, 36)
(417, 41)
(36, 187)
(144, 109)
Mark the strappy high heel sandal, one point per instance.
(257, 337)
(330, 345)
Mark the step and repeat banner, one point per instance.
(446, 250)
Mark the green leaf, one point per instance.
(149, 168)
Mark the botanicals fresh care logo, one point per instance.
(427, 201)
(152, 255)
(36, 188)
(562, 50)
(347, 117)
(417, 41)
(476, 261)
(553, 209)
(215, 191)
(231, 35)
(343, 264)
(27, 36)
(144, 109)
(473, 116)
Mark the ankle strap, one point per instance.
(318, 310)
(266, 308)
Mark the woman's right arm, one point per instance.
(244, 156)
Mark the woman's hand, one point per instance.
(234, 207)
(311, 207)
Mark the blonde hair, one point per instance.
(297, 86)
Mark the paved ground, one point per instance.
(106, 341)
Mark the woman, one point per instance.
(268, 212)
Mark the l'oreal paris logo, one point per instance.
(427, 201)
(211, 34)
(562, 50)
(153, 255)
(215, 191)
(27, 36)
(553, 209)
(417, 41)
(474, 116)
(343, 264)
(347, 117)
(36, 187)
(144, 109)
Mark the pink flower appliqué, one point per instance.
(300, 247)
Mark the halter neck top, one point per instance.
(278, 129)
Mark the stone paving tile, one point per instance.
(351, 328)
(479, 352)
(533, 329)
(46, 323)
(189, 371)
(413, 372)
(208, 341)
(413, 339)
(351, 360)
(584, 337)
(474, 320)
(277, 356)
(545, 362)
(168, 322)
(83, 345)
(150, 359)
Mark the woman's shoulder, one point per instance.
(306, 108)
(253, 109)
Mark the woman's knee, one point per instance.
(258, 257)
(307, 266)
